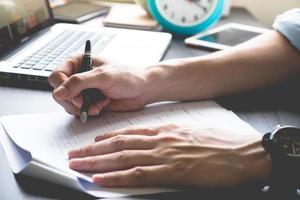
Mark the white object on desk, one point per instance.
(225, 36)
(40, 149)
(227, 8)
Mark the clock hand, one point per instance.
(198, 3)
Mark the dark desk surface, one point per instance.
(20, 101)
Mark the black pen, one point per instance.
(89, 96)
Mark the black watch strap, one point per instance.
(266, 142)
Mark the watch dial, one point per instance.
(288, 140)
(186, 12)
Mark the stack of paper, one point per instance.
(37, 144)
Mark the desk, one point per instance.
(21, 101)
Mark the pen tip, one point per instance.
(83, 117)
(88, 46)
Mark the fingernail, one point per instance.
(76, 103)
(94, 111)
(73, 154)
(61, 92)
(98, 138)
(74, 163)
(97, 179)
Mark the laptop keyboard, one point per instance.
(59, 49)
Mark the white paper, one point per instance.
(49, 137)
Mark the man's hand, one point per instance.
(124, 90)
(173, 155)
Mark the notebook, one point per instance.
(130, 16)
(40, 149)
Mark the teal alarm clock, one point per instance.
(186, 17)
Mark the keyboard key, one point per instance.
(34, 59)
(17, 65)
(31, 62)
(39, 66)
(25, 66)
(61, 48)
(52, 57)
(50, 67)
(37, 57)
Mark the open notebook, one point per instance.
(37, 144)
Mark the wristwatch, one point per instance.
(283, 145)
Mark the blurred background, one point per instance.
(258, 8)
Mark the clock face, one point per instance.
(186, 12)
(288, 140)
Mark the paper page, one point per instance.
(49, 137)
(17, 157)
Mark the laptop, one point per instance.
(32, 46)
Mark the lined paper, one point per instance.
(49, 137)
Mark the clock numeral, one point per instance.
(166, 7)
(172, 15)
(196, 17)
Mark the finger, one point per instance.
(56, 79)
(75, 84)
(158, 175)
(67, 69)
(72, 64)
(77, 101)
(74, 110)
(94, 109)
(134, 130)
(102, 103)
(118, 105)
(70, 108)
(63, 72)
(115, 144)
(115, 161)
(98, 106)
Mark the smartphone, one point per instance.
(78, 12)
(225, 36)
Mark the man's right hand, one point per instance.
(124, 90)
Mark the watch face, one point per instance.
(186, 12)
(288, 140)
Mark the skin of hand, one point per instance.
(124, 89)
(173, 158)
(251, 65)
(260, 62)
(173, 155)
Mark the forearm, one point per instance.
(257, 63)
(255, 161)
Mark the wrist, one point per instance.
(156, 82)
(166, 81)
(256, 161)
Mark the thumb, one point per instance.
(74, 85)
